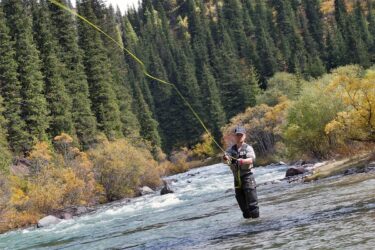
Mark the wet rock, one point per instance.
(145, 190)
(81, 210)
(69, 212)
(230, 190)
(280, 163)
(294, 171)
(350, 171)
(67, 216)
(47, 221)
(366, 169)
(166, 189)
(191, 175)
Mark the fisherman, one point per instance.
(240, 157)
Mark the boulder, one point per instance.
(81, 210)
(67, 216)
(166, 189)
(47, 221)
(145, 190)
(294, 171)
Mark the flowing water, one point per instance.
(334, 213)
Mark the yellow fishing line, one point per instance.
(62, 6)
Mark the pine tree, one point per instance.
(11, 90)
(59, 101)
(342, 18)
(362, 26)
(335, 49)
(98, 73)
(233, 16)
(149, 126)
(34, 108)
(112, 24)
(315, 21)
(230, 81)
(289, 36)
(188, 86)
(266, 48)
(371, 26)
(358, 52)
(314, 66)
(214, 108)
(5, 156)
(75, 79)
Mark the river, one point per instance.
(334, 213)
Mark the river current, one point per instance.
(333, 213)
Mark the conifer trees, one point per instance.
(98, 73)
(34, 106)
(11, 90)
(58, 74)
(75, 79)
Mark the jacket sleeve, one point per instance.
(250, 152)
(229, 151)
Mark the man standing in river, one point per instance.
(241, 157)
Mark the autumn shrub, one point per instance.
(306, 120)
(356, 89)
(205, 148)
(179, 159)
(40, 156)
(263, 128)
(81, 166)
(119, 167)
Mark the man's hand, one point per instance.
(225, 157)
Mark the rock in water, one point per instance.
(47, 221)
(166, 189)
(294, 171)
(146, 190)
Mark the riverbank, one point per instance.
(363, 162)
(349, 165)
(203, 213)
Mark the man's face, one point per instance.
(240, 138)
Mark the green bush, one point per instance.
(280, 85)
(306, 120)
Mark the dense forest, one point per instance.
(60, 75)
(81, 124)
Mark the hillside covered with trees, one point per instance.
(78, 117)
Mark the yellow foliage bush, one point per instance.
(119, 168)
(11, 218)
(263, 127)
(40, 156)
(205, 148)
(356, 88)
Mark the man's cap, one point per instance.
(240, 130)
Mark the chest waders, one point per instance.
(245, 186)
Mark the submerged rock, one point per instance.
(294, 171)
(166, 189)
(47, 221)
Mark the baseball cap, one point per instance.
(240, 130)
